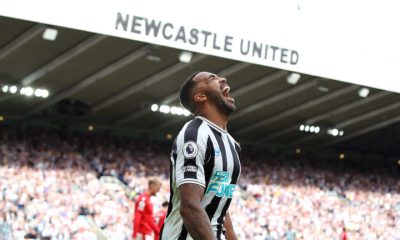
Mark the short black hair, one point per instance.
(185, 93)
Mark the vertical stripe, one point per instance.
(236, 164)
(238, 150)
(183, 234)
(235, 176)
(209, 162)
(223, 212)
(191, 133)
(212, 207)
(172, 192)
(171, 174)
(222, 148)
(219, 232)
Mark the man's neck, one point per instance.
(219, 119)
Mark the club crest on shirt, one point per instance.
(190, 149)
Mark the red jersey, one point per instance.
(159, 219)
(344, 236)
(143, 221)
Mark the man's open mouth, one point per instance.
(225, 93)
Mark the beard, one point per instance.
(222, 105)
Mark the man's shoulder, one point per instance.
(185, 126)
(192, 127)
(192, 123)
(143, 195)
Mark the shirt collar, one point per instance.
(212, 124)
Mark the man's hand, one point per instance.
(194, 216)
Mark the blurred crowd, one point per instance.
(51, 188)
(294, 199)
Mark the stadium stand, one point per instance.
(51, 189)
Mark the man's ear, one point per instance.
(200, 97)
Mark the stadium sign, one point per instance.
(198, 38)
(335, 39)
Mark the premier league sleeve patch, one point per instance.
(190, 149)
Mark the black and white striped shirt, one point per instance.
(207, 155)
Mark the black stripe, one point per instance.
(235, 176)
(209, 151)
(161, 232)
(162, 229)
(236, 164)
(209, 161)
(183, 234)
(238, 150)
(174, 156)
(223, 212)
(172, 191)
(219, 232)
(222, 148)
(213, 205)
(191, 132)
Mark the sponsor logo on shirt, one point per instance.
(189, 168)
(219, 185)
(217, 152)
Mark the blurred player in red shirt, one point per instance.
(143, 222)
(160, 217)
(343, 236)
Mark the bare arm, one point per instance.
(230, 232)
(194, 216)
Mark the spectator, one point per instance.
(48, 176)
